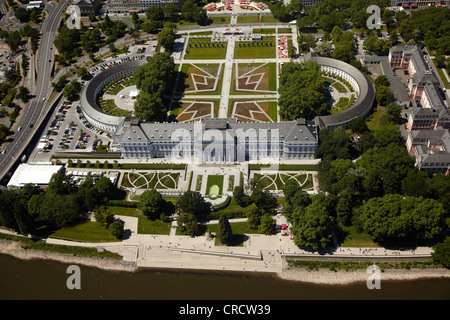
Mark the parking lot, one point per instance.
(68, 130)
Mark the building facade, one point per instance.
(127, 6)
(431, 149)
(423, 85)
(217, 140)
(88, 6)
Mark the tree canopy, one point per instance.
(302, 91)
(399, 219)
(154, 80)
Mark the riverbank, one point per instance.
(342, 277)
(322, 276)
(15, 249)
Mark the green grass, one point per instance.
(184, 76)
(204, 49)
(374, 121)
(339, 87)
(273, 111)
(154, 166)
(442, 76)
(277, 181)
(153, 180)
(251, 50)
(86, 231)
(265, 31)
(355, 239)
(293, 167)
(272, 77)
(214, 180)
(284, 30)
(238, 229)
(145, 225)
(254, 19)
(232, 210)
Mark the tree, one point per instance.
(241, 198)
(155, 13)
(392, 113)
(24, 93)
(152, 204)
(224, 232)
(72, 90)
(334, 144)
(149, 107)
(59, 210)
(14, 39)
(22, 14)
(384, 95)
(267, 225)
(83, 73)
(401, 220)
(440, 61)
(60, 184)
(166, 38)
(441, 252)
(263, 200)
(302, 92)
(154, 79)
(313, 227)
(189, 223)
(105, 187)
(171, 12)
(254, 215)
(323, 49)
(358, 125)
(116, 228)
(103, 216)
(194, 203)
(387, 134)
(382, 81)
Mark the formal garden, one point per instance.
(205, 48)
(150, 180)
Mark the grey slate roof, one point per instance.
(360, 108)
(154, 132)
(89, 99)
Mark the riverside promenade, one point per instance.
(259, 253)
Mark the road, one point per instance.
(35, 108)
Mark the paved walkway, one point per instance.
(172, 251)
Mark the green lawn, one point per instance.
(214, 180)
(85, 230)
(284, 30)
(239, 229)
(205, 49)
(265, 31)
(339, 87)
(266, 48)
(273, 111)
(254, 19)
(355, 239)
(298, 167)
(374, 121)
(145, 225)
(442, 75)
(277, 181)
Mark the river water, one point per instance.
(39, 279)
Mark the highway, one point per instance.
(31, 114)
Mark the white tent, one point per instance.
(33, 173)
(133, 94)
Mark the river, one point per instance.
(40, 279)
